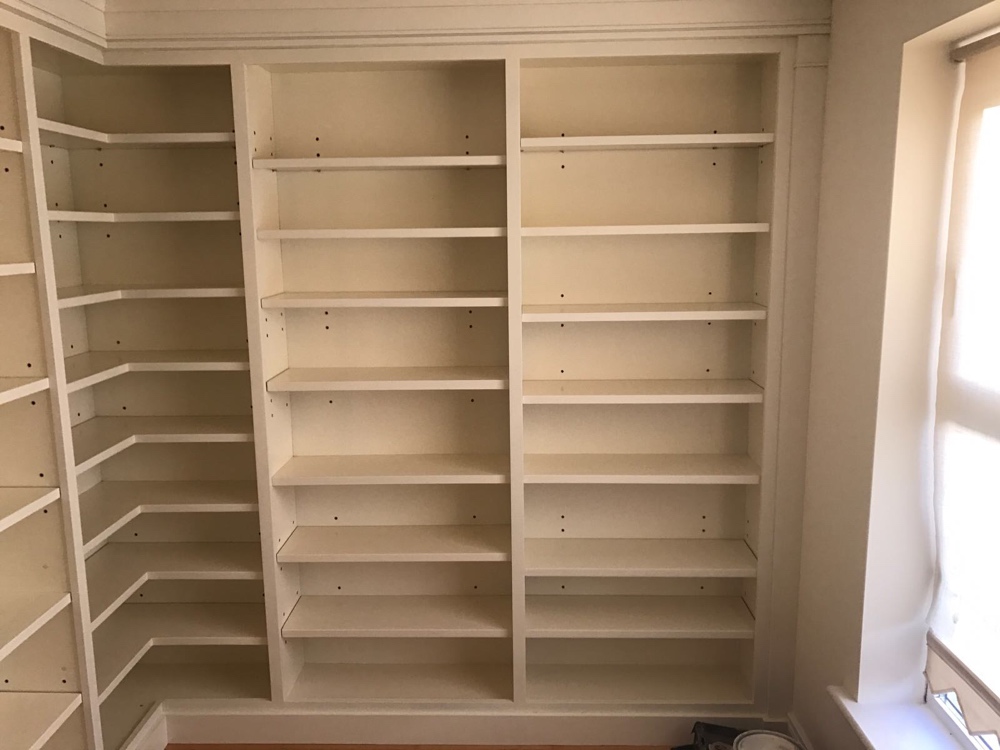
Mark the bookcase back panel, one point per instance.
(46, 662)
(249, 592)
(9, 120)
(141, 394)
(402, 505)
(33, 554)
(405, 579)
(15, 235)
(408, 650)
(682, 652)
(190, 527)
(406, 110)
(602, 587)
(166, 462)
(167, 325)
(21, 351)
(27, 450)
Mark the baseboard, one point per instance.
(797, 731)
(152, 733)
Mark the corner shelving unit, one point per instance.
(142, 215)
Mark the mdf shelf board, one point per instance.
(304, 471)
(17, 503)
(118, 570)
(294, 300)
(399, 617)
(149, 217)
(390, 233)
(645, 142)
(351, 163)
(402, 683)
(96, 294)
(109, 506)
(134, 629)
(16, 269)
(85, 370)
(635, 684)
(640, 558)
(638, 617)
(610, 468)
(29, 720)
(22, 614)
(642, 392)
(100, 438)
(12, 389)
(642, 312)
(628, 229)
(64, 135)
(358, 544)
(12, 145)
(300, 379)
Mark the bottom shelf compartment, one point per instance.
(29, 720)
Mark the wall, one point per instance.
(867, 569)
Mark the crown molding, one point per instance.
(74, 25)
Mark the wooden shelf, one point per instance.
(30, 719)
(24, 613)
(646, 142)
(13, 389)
(149, 684)
(16, 269)
(381, 234)
(301, 379)
(308, 471)
(643, 312)
(17, 503)
(118, 570)
(100, 438)
(634, 468)
(296, 300)
(399, 617)
(9, 144)
(96, 294)
(86, 370)
(638, 617)
(335, 544)
(642, 392)
(636, 684)
(63, 135)
(639, 558)
(402, 683)
(124, 639)
(149, 217)
(323, 164)
(630, 229)
(109, 506)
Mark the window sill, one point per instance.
(895, 726)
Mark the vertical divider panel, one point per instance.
(55, 365)
(268, 356)
(516, 376)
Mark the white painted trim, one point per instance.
(74, 25)
(797, 731)
(152, 734)
(894, 726)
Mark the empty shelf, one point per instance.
(293, 300)
(399, 617)
(17, 503)
(643, 312)
(638, 142)
(389, 379)
(636, 684)
(640, 558)
(12, 389)
(638, 617)
(319, 164)
(17, 269)
(96, 294)
(124, 639)
(85, 370)
(108, 506)
(118, 570)
(384, 234)
(329, 544)
(403, 683)
(9, 144)
(642, 392)
(109, 217)
(24, 613)
(30, 719)
(638, 468)
(472, 468)
(148, 684)
(627, 229)
(63, 135)
(100, 438)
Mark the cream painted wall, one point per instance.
(867, 567)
